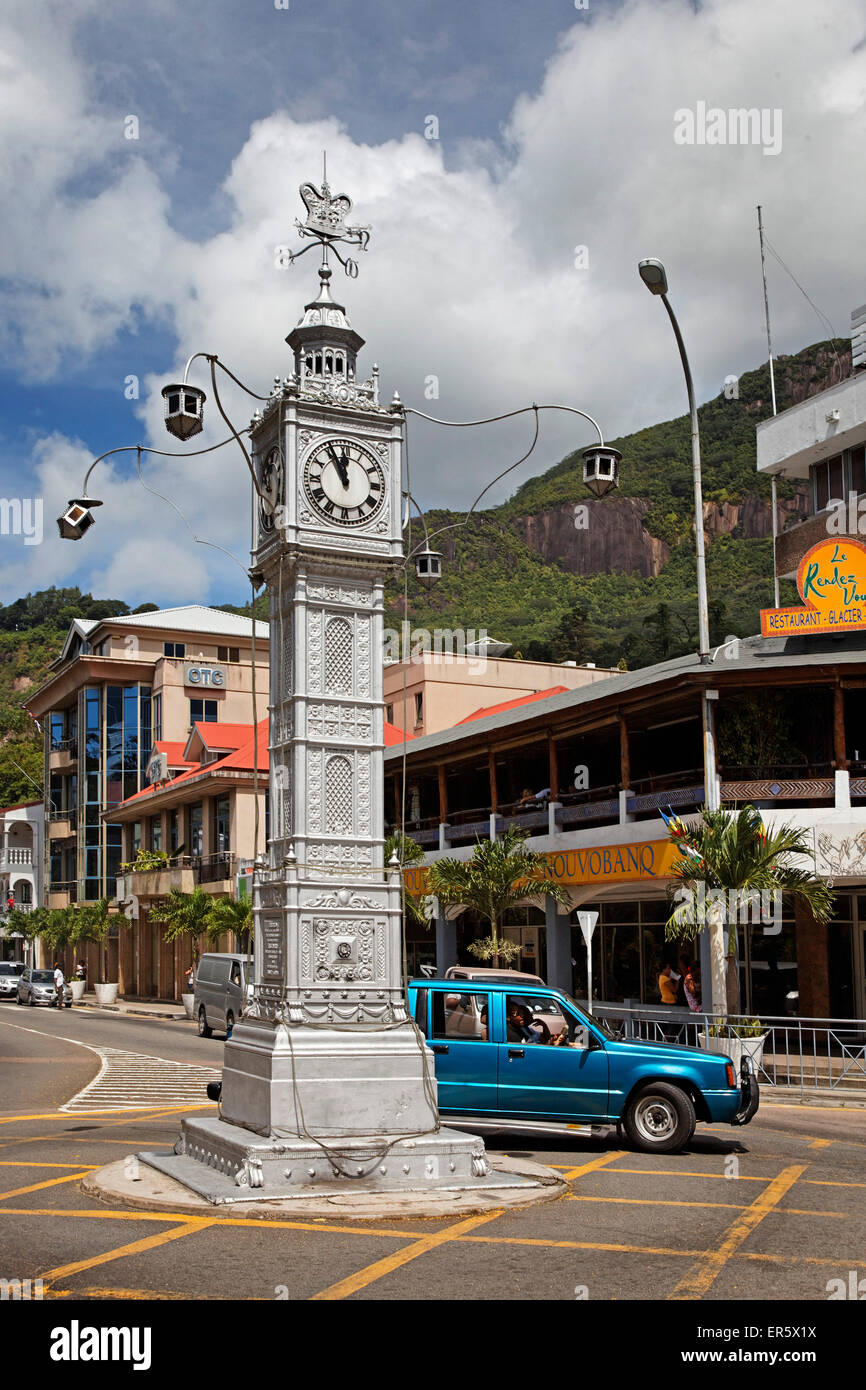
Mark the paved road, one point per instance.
(774, 1211)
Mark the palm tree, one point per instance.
(733, 851)
(232, 915)
(500, 874)
(185, 914)
(91, 922)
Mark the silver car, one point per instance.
(37, 987)
(9, 973)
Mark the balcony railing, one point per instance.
(12, 857)
(214, 868)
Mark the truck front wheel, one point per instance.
(660, 1119)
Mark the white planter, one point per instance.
(736, 1048)
(78, 987)
(106, 994)
(189, 1004)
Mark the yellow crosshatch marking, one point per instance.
(703, 1276)
(191, 1224)
(402, 1257)
(49, 1182)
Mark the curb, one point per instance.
(155, 1191)
(125, 1009)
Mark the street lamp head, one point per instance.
(184, 409)
(428, 567)
(77, 518)
(601, 469)
(652, 272)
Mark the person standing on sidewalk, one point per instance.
(59, 983)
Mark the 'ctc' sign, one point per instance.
(204, 675)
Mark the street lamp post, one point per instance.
(652, 272)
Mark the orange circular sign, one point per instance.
(831, 577)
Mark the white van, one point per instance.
(221, 991)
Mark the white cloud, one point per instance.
(470, 276)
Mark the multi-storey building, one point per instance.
(119, 686)
(21, 851)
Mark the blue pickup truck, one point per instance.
(527, 1055)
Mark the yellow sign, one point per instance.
(831, 581)
(596, 864)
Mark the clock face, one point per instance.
(271, 485)
(344, 483)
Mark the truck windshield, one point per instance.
(601, 1024)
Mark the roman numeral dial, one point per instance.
(344, 483)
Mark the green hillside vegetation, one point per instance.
(492, 579)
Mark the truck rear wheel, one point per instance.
(660, 1119)
(203, 1030)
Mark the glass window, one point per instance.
(460, 1016)
(156, 833)
(835, 480)
(228, 654)
(822, 493)
(858, 469)
(202, 712)
(419, 707)
(173, 831)
(136, 836)
(196, 837)
(156, 707)
(56, 729)
(174, 649)
(221, 814)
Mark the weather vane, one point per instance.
(326, 223)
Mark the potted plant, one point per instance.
(737, 1040)
(92, 922)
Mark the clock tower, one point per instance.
(326, 1078)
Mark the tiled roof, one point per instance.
(513, 704)
(393, 735)
(173, 751)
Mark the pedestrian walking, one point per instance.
(692, 987)
(190, 979)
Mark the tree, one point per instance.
(500, 874)
(233, 915)
(186, 914)
(92, 922)
(733, 851)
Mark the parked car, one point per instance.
(221, 992)
(586, 1076)
(10, 970)
(37, 987)
(489, 973)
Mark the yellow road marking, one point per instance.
(101, 1214)
(375, 1271)
(686, 1173)
(20, 1163)
(137, 1247)
(146, 1113)
(707, 1270)
(820, 1143)
(147, 1295)
(826, 1182)
(593, 1164)
(49, 1182)
(645, 1202)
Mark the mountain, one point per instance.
(621, 590)
(616, 582)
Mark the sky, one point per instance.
(514, 162)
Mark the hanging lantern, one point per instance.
(184, 409)
(428, 567)
(77, 518)
(601, 469)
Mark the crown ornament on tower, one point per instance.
(326, 225)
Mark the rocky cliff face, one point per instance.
(614, 538)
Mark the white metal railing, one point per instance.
(811, 1054)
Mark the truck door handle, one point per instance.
(439, 1047)
(515, 1052)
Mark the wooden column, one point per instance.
(553, 768)
(839, 749)
(494, 791)
(443, 794)
(624, 759)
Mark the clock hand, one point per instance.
(341, 464)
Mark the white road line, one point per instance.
(134, 1080)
